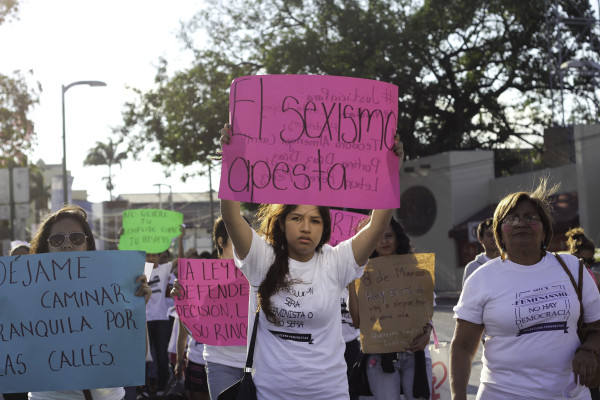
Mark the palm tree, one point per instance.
(106, 154)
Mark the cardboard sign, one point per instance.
(71, 321)
(343, 225)
(214, 301)
(308, 139)
(395, 301)
(149, 230)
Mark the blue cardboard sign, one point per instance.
(71, 321)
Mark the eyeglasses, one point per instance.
(515, 219)
(58, 239)
(589, 261)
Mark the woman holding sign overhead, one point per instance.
(297, 280)
(67, 230)
(408, 372)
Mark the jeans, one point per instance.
(220, 377)
(159, 333)
(386, 386)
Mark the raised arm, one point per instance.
(238, 229)
(366, 239)
(462, 351)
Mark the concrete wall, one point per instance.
(587, 155)
(460, 184)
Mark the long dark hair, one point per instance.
(39, 243)
(272, 218)
(403, 245)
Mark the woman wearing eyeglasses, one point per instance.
(67, 230)
(529, 309)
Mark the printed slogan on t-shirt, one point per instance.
(322, 140)
(214, 301)
(71, 321)
(395, 301)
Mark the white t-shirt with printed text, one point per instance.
(303, 356)
(157, 308)
(530, 317)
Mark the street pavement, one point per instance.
(444, 323)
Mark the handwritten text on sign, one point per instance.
(343, 225)
(308, 139)
(70, 321)
(395, 301)
(149, 230)
(214, 301)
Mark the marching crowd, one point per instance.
(535, 313)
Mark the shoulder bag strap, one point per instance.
(578, 287)
(250, 357)
(87, 394)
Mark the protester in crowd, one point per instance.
(409, 371)
(529, 309)
(19, 249)
(159, 324)
(298, 279)
(67, 230)
(584, 248)
(485, 235)
(189, 359)
(350, 334)
(224, 364)
(581, 246)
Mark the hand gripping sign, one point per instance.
(214, 301)
(307, 139)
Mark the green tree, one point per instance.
(471, 74)
(17, 98)
(106, 154)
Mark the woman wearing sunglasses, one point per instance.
(67, 230)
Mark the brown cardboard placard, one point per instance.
(395, 301)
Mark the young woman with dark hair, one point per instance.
(391, 374)
(297, 278)
(67, 230)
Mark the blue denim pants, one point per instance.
(386, 386)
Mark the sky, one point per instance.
(118, 42)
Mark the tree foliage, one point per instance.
(106, 154)
(471, 74)
(17, 98)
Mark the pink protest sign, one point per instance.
(308, 139)
(343, 225)
(214, 301)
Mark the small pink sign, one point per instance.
(214, 301)
(309, 139)
(343, 225)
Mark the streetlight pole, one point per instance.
(160, 195)
(64, 138)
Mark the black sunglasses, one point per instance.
(58, 239)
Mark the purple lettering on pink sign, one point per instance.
(309, 139)
(214, 301)
(343, 225)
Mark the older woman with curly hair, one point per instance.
(527, 305)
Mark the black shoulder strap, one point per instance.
(578, 286)
(250, 357)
